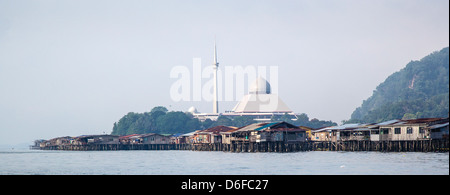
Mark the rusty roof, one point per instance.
(151, 134)
(288, 129)
(128, 136)
(101, 135)
(218, 129)
(412, 121)
(305, 127)
(422, 120)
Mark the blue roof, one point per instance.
(265, 126)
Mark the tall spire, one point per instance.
(216, 67)
(215, 54)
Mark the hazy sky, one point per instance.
(73, 67)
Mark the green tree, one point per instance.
(241, 121)
(286, 118)
(172, 122)
(407, 116)
(223, 120)
(159, 108)
(208, 123)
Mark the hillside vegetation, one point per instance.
(420, 90)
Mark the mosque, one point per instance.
(259, 103)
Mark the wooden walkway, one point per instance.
(382, 146)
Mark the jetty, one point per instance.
(281, 147)
(417, 135)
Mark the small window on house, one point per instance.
(421, 130)
(409, 130)
(398, 130)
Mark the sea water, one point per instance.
(172, 162)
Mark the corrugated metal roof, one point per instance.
(388, 122)
(422, 120)
(274, 126)
(251, 127)
(87, 136)
(265, 126)
(188, 134)
(439, 126)
(409, 121)
(218, 129)
(288, 129)
(128, 136)
(361, 129)
(340, 127)
(346, 126)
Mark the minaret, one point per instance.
(216, 67)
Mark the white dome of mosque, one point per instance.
(192, 110)
(259, 86)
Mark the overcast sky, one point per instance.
(73, 67)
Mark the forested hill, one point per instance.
(420, 90)
(160, 120)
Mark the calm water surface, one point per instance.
(222, 163)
